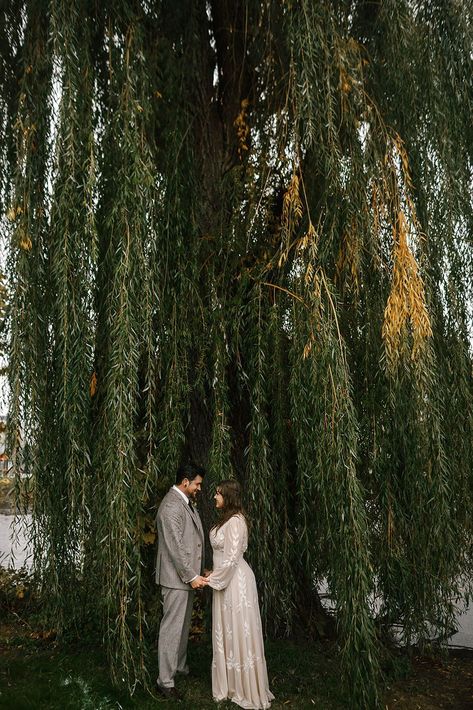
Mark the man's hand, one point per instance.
(198, 583)
(207, 572)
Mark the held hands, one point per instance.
(199, 582)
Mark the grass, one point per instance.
(36, 673)
(39, 674)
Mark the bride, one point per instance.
(238, 666)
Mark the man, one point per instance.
(179, 567)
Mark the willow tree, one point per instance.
(240, 232)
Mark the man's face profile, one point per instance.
(192, 487)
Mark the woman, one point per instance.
(239, 666)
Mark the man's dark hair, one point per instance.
(189, 471)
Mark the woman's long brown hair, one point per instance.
(230, 491)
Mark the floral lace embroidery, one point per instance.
(249, 663)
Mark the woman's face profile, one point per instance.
(218, 498)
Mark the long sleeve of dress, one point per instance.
(235, 543)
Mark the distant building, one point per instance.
(5, 463)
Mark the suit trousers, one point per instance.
(174, 634)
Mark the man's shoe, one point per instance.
(169, 693)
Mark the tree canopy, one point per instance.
(240, 231)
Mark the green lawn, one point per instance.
(37, 673)
(40, 675)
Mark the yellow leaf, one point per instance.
(148, 538)
(25, 243)
(93, 384)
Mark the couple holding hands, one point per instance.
(238, 666)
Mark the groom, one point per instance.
(179, 567)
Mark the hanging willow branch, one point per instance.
(241, 233)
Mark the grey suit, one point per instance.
(180, 558)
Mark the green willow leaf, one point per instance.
(241, 234)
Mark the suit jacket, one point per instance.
(180, 542)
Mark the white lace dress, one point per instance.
(238, 666)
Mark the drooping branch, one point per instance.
(241, 232)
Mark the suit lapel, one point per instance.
(196, 519)
(192, 512)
